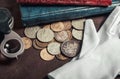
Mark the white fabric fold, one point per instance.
(101, 60)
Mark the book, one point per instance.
(40, 14)
(68, 2)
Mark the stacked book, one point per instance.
(34, 13)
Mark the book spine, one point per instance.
(31, 14)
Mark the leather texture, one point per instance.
(69, 2)
(33, 15)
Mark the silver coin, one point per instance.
(70, 48)
(77, 34)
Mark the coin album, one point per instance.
(69, 2)
(33, 15)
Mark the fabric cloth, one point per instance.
(99, 57)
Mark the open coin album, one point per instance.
(69, 2)
(39, 14)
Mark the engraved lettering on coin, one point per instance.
(61, 36)
(78, 24)
(67, 25)
(36, 46)
(31, 31)
(70, 48)
(61, 57)
(45, 55)
(77, 34)
(27, 42)
(54, 48)
(58, 26)
(45, 35)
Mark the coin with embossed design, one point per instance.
(36, 46)
(70, 48)
(58, 26)
(27, 42)
(77, 34)
(67, 25)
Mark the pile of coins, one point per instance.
(60, 39)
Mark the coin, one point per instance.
(61, 36)
(67, 25)
(41, 44)
(70, 48)
(45, 35)
(77, 34)
(58, 26)
(78, 24)
(69, 34)
(47, 26)
(30, 32)
(27, 42)
(36, 46)
(54, 48)
(61, 57)
(45, 55)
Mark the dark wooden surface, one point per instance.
(29, 65)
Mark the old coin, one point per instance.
(69, 34)
(58, 26)
(31, 31)
(78, 24)
(77, 34)
(70, 48)
(54, 48)
(27, 42)
(61, 57)
(41, 44)
(36, 46)
(45, 35)
(61, 36)
(67, 25)
(45, 55)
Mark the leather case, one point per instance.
(68, 2)
(33, 15)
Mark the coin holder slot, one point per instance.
(9, 51)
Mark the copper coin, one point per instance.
(61, 57)
(36, 46)
(61, 36)
(45, 55)
(27, 42)
(78, 24)
(67, 25)
(30, 32)
(69, 34)
(45, 35)
(54, 48)
(58, 26)
(77, 34)
(70, 48)
(41, 44)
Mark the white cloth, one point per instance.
(100, 54)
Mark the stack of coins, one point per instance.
(59, 39)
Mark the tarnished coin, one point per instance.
(46, 26)
(36, 46)
(45, 35)
(70, 48)
(31, 31)
(61, 57)
(42, 44)
(54, 48)
(69, 34)
(27, 42)
(77, 34)
(58, 26)
(78, 24)
(61, 36)
(45, 55)
(67, 25)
